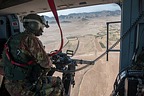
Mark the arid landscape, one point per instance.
(87, 37)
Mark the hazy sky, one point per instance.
(94, 8)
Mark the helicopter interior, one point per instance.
(131, 41)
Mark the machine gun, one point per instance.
(63, 63)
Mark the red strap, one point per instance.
(53, 9)
(12, 61)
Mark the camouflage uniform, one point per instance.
(45, 85)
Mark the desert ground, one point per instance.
(87, 38)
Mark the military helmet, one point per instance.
(34, 23)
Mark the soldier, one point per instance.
(26, 63)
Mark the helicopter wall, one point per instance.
(130, 13)
(141, 28)
(131, 10)
(8, 26)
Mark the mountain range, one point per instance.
(84, 16)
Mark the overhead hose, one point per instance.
(54, 11)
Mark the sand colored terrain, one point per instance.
(84, 37)
(88, 41)
(97, 79)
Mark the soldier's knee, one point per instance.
(58, 86)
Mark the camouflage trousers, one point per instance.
(46, 86)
